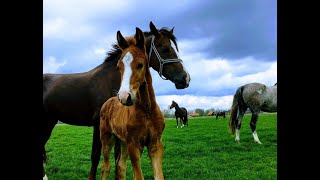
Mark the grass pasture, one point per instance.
(204, 150)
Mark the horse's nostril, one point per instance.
(129, 99)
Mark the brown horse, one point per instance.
(181, 113)
(133, 117)
(76, 99)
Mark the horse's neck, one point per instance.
(177, 108)
(146, 93)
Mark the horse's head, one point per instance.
(132, 65)
(163, 57)
(173, 104)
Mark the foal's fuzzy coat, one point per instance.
(132, 119)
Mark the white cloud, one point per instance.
(51, 65)
(63, 29)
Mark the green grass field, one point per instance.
(203, 150)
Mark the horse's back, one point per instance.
(258, 96)
(67, 97)
(184, 110)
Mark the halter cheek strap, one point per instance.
(161, 61)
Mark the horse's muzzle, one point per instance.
(125, 98)
(183, 82)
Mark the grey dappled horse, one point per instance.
(257, 97)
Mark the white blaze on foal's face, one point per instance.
(126, 74)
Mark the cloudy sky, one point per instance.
(223, 43)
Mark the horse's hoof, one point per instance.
(177, 127)
(258, 142)
(237, 141)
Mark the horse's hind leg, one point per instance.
(238, 125)
(121, 162)
(95, 152)
(186, 120)
(107, 142)
(181, 122)
(253, 124)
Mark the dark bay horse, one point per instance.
(257, 97)
(180, 113)
(76, 99)
(220, 113)
(133, 117)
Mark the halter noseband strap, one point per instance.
(161, 61)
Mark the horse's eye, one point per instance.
(166, 50)
(140, 65)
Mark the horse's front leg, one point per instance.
(95, 152)
(121, 161)
(134, 151)
(155, 151)
(177, 121)
(253, 125)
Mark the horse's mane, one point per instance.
(116, 51)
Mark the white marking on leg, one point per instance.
(237, 135)
(255, 137)
(125, 84)
(45, 177)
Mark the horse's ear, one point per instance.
(139, 38)
(153, 29)
(171, 31)
(122, 42)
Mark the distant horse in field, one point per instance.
(133, 118)
(257, 97)
(76, 99)
(221, 113)
(180, 113)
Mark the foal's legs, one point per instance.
(121, 162)
(107, 141)
(156, 154)
(238, 125)
(134, 151)
(253, 123)
(95, 152)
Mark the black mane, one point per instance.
(115, 52)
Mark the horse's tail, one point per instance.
(237, 100)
